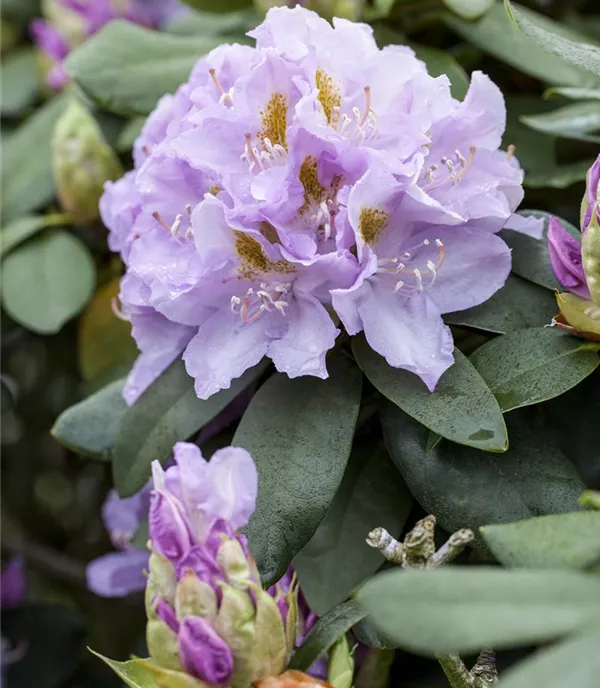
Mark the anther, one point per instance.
(156, 215)
(417, 274)
(510, 151)
(188, 209)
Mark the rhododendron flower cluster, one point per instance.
(70, 22)
(310, 182)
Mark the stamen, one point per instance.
(161, 222)
(510, 151)
(417, 274)
(365, 116)
(177, 224)
(251, 154)
(188, 209)
(116, 309)
(225, 98)
(442, 250)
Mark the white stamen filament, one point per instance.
(417, 284)
(362, 126)
(269, 156)
(226, 96)
(254, 304)
(454, 175)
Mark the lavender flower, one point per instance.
(240, 225)
(70, 22)
(12, 584)
(208, 617)
(120, 573)
(576, 265)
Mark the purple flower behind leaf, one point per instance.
(121, 573)
(565, 259)
(70, 22)
(12, 583)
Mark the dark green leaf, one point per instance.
(464, 610)
(20, 83)
(551, 39)
(47, 281)
(126, 68)
(517, 305)
(234, 24)
(533, 365)
(572, 422)
(534, 150)
(130, 133)
(299, 432)
(573, 93)
(461, 409)
(467, 488)
(560, 176)
(325, 632)
(167, 412)
(6, 398)
(19, 230)
(27, 180)
(51, 638)
(530, 257)
(496, 34)
(91, 426)
(578, 121)
(337, 558)
(558, 541)
(21, 10)
(574, 662)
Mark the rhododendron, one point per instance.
(310, 180)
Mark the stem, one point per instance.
(58, 565)
(57, 219)
(456, 672)
(451, 549)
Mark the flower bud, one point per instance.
(291, 679)
(163, 644)
(591, 198)
(82, 162)
(590, 253)
(341, 665)
(195, 598)
(169, 530)
(579, 317)
(272, 651)
(203, 652)
(566, 259)
(234, 564)
(161, 583)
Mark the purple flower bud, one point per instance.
(592, 195)
(565, 259)
(166, 613)
(12, 584)
(169, 529)
(203, 652)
